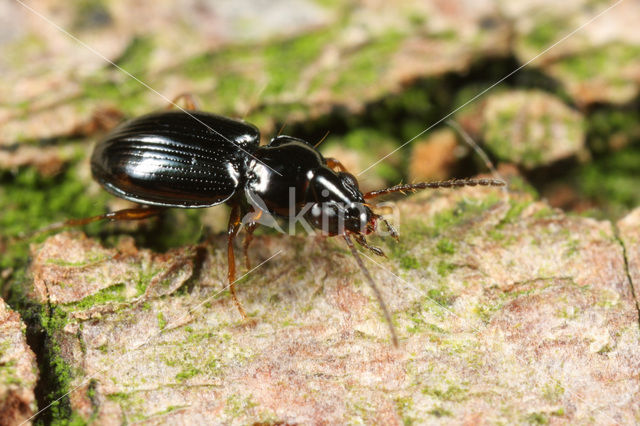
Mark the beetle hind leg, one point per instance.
(125, 214)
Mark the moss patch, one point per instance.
(612, 180)
(52, 321)
(114, 293)
(604, 61)
(29, 201)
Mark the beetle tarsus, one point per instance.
(360, 239)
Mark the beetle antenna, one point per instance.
(322, 140)
(453, 183)
(376, 290)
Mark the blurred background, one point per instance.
(370, 74)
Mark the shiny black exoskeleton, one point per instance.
(194, 160)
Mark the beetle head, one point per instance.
(338, 206)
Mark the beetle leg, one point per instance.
(190, 102)
(247, 240)
(126, 214)
(335, 165)
(360, 239)
(234, 226)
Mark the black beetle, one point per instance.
(193, 159)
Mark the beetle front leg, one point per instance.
(360, 239)
(234, 226)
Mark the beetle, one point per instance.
(191, 159)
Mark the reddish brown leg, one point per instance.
(454, 183)
(335, 165)
(126, 214)
(248, 237)
(234, 226)
(190, 102)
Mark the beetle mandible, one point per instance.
(194, 159)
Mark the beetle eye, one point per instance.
(349, 179)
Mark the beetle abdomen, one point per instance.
(173, 159)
